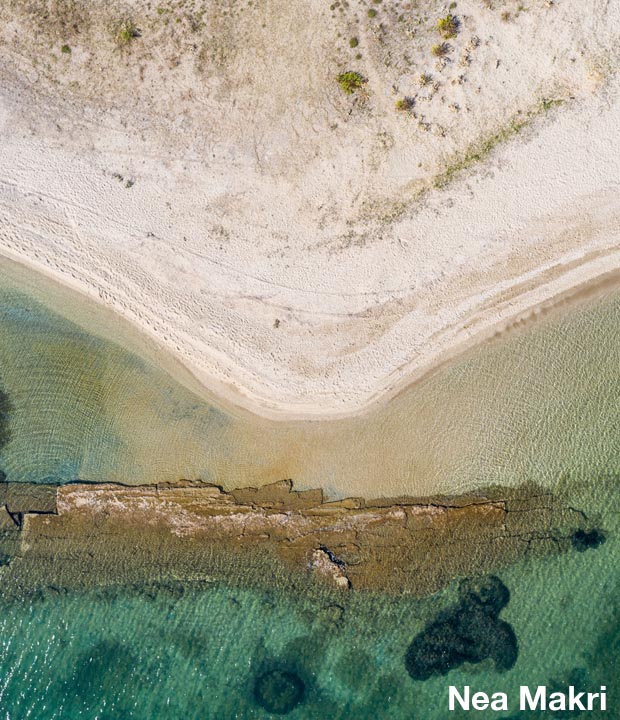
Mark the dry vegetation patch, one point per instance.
(250, 74)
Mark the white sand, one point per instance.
(265, 196)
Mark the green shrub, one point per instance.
(126, 32)
(354, 42)
(425, 79)
(350, 81)
(65, 49)
(448, 26)
(372, 13)
(403, 104)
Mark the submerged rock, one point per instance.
(331, 615)
(325, 563)
(106, 670)
(279, 691)
(587, 540)
(6, 408)
(469, 631)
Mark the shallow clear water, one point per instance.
(85, 408)
(542, 405)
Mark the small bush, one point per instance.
(65, 49)
(354, 42)
(372, 13)
(350, 81)
(425, 79)
(126, 32)
(404, 104)
(440, 50)
(506, 16)
(452, 5)
(448, 26)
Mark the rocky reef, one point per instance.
(6, 408)
(80, 535)
(587, 539)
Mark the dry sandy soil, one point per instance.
(197, 166)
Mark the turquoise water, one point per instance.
(543, 405)
(182, 653)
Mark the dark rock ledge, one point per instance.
(82, 535)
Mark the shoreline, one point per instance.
(314, 329)
(316, 289)
(231, 398)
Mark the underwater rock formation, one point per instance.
(117, 534)
(104, 672)
(489, 592)
(469, 631)
(331, 568)
(6, 408)
(587, 540)
(279, 691)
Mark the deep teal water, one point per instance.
(77, 406)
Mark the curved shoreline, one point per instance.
(233, 399)
(271, 291)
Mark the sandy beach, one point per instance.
(309, 358)
(302, 251)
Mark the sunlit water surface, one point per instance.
(542, 405)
